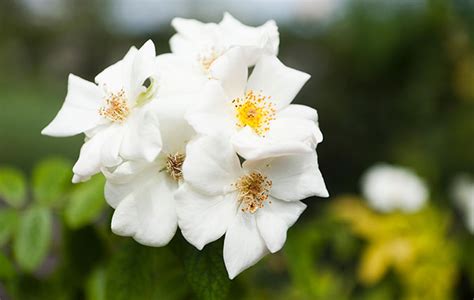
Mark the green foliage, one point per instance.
(12, 186)
(33, 238)
(206, 272)
(140, 272)
(8, 222)
(86, 203)
(51, 179)
(96, 285)
(7, 269)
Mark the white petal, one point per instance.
(298, 111)
(175, 131)
(272, 78)
(93, 152)
(293, 177)
(178, 74)
(255, 40)
(109, 154)
(148, 213)
(143, 67)
(243, 245)
(211, 165)
(122, 180)
(80, 111)
(117, 76)
(141, 136)
(212, 114)
(189, 28)
(285, 137)
(231, 70)
(275, 218)
(125, 218)
(180, 45)
(203, 218)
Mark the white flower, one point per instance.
(256, 113)
(141, 192)
(388, 188)
(112, 113)
(463, 194)
(204, 43)
(252, 205)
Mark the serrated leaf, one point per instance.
(12, 186)
(86, 203)
(8, 221)
(51, 179)
(205, 271)
(33, 238)
(7, 270)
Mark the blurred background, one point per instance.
(393, 81)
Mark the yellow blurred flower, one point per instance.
(415, 246)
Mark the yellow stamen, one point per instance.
(253, 191)
(255, 111)
(116, 108)
(174, 165)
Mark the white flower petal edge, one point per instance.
(203, 218)
(294, 177)
(148, 212)
(79, 111)
(265, 37)
(274, 220)
(211, 165)
(207, 41)
(273, 78)
(113, 114)
(243, 244)
(254, 211)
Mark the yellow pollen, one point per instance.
(255, 111)
(116, 108)
(253, 191)
(174, 165)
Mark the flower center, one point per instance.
(207, 57)
(253, 191)
(174, 165)
(116, 108)
(255, 111)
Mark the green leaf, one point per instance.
(7, 269)
(95, 285)
(33, 238)
(140, 272)
(12, 186)
(86, 203)
(206, 272)
(8, 221)
(51, 179)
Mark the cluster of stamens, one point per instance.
(116, 108)
(207, 58)
(174, 165)
(253, 191)
(255, 111)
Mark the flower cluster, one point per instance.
(189, 139)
